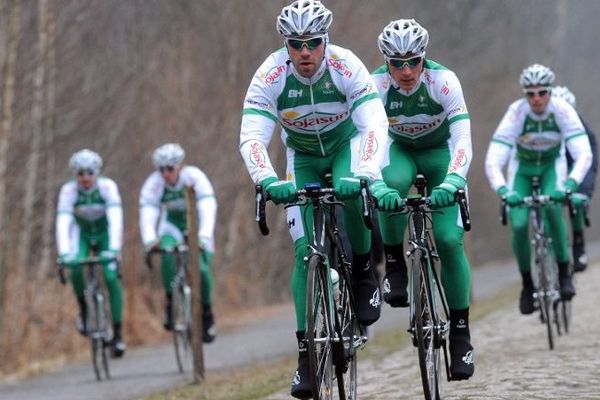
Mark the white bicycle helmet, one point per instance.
(401, 37)
(304, 17)
(168, 155)
(85, 160)
(564, 93)
(535, 75)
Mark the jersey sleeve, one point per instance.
(150, 195)
(576, 139)
(64, 217)
(114, 212)
(368, 115)
(259, 117)
(452, 99)
(206, 205)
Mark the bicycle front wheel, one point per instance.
(547, 288)
(180, 308)
(425, 323)
(319, 329)
(99, 335)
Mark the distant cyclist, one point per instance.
(163, 223)
(585, 190)
(333, 121)
(430, 133)
(531, 138)
(90, 217)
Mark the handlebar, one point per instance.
(84, 261)
(177, 250)
(540, 200)
(312, 192)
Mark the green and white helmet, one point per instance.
(401, 37)
(85, 160)
(564, 93)
(168, 155)
(304, 17)
(535, 75)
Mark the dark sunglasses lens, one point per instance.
(310, 43)
(412, 62)
(84, 172)
(533, 93)
(168, 168)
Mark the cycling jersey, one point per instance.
(430, 115)
(90, 212)
(156, 194)
(319, 115)
(589, 181)
(532, 140)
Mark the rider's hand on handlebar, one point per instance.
(109, 254)
(67, 259)
(152, 246)
(513, 198)
(280, 191)
(579, 199)
(560, 195)
(203, 242)
(348, 188)
(388, 199)
(443, 195)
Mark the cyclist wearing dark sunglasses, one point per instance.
(585, 189)
(333, 121)
(89, 214)
(430, 134)
(163, 222)
(532, 138)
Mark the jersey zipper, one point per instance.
(312, 103)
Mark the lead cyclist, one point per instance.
(333, 121)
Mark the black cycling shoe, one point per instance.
(81, 324)
(118, 347)
(209, 331)
(526, 301)
(567, 289)
(168, 321)
(366, 294)
(579, 256)
(461, 358)
(301, 385)
(394, 288)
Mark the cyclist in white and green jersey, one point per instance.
(333, 121)
(430, 134)
(532, 138)
(90, 218)
(164, 190)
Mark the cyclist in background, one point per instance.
(429, 133)
(585, 190)
(333, 121)
(164, 190)
(90, 218)
(531, 138)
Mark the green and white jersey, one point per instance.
(535, 139)
(318, 114)
(156, 195)
(430, 115)
(90, 212)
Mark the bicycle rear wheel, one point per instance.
(319, 329)
(425, 323)
(349, 340)
(180, 308)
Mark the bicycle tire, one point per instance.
(99, 335)
(181, 325)
(545, 289)
(425, 326)
(319, 329)
(349, 340)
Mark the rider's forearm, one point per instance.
(114, 214)
(207, 214)
(462, 150)
(63, 223)
(370, 119)
(148, 218)
(496, 158)
(580, 150)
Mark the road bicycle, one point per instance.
(429, 322)
(97, 325)
(181, 304)
(553, 310)
(333, 333)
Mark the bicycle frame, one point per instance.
(333, 334)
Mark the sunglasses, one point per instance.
(310, 44)
(168, 168)
(85, 172)
(411, 63)
(531, 93)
